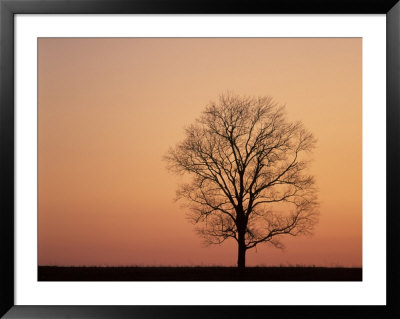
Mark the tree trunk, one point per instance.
(241, 251)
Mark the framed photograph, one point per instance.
(190, 160)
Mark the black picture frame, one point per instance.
(8, 8)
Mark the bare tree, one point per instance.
(249, 173)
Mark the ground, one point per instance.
(53, 273)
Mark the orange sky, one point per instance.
(109, 109)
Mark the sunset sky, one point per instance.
(109, 109)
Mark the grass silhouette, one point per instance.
(196, 273)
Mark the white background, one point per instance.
(372, 290)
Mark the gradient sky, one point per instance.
(109, 109)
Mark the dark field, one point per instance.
(51, 273)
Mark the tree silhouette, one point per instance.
(249, 173)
